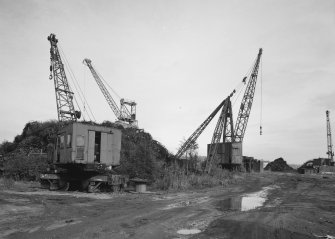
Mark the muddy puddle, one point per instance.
(188, 231)
(245, 202)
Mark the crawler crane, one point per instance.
(84, 154)
(227, 153)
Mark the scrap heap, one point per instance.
(278, 165)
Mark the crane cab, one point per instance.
(84, 158)
(81, 143)
(228, 155)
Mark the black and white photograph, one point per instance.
(167, 119)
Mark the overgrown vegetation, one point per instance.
(23, 167)
(141, 156)
(7, 183)
(26, 156)
(178, 180)
(34, 138)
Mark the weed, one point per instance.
(22, 167)
(178, 180)
(8, 182)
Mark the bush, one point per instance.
(8, 182)
(141, 155)
(178, 180)
(35, 136)
(22, 167)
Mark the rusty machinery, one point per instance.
(84, 154)
(228, 153)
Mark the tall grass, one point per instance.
(6, 183)
(22, 167)
(178, 180)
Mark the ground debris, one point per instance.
(298, 207)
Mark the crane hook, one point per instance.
(260, 130)
(50, 77)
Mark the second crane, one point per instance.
(126, 117)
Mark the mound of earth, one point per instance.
(278, 165)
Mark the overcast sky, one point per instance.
(178, 60)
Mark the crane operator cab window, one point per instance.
(60, 145)
(80, 142)
(61, 141)
(97, 147)
(68, 141)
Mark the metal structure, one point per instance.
(64, 95)
(84, 153)
(124, 115)
(225, 129)
(246, 104)
(330, 151)
(129, 116)
(231, 145)
(193, 138)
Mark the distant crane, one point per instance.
(64, 96)
(225, 125)
(329, 139)
(123, 114)
(245, 108)
(193, 138)
(231, 147)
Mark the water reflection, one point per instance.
(246, 202)
(188, 231)
(251, 202)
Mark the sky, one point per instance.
(178, 60)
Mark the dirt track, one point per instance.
(296, 206)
